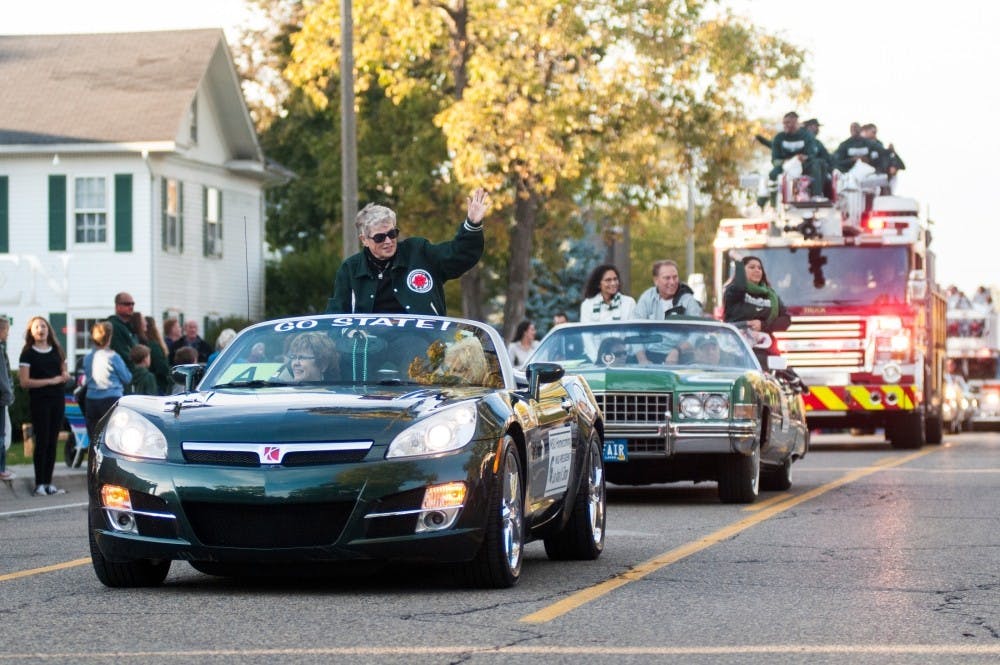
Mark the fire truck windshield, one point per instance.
(831, 276)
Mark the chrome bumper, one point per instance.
(688, 437)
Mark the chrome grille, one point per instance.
(816, 341)
(634, 407)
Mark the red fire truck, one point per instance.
(868, 320)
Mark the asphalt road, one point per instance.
(875, 555)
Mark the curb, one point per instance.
(74, 481)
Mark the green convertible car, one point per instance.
(336, 438)
(686, 399)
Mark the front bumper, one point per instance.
(271, 514)
(685, 438)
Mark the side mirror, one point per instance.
(539, 373)
(750, 181)
(777, 362)
(916, 286)
(187, 375)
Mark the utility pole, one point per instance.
(690, 222)
(348, 131)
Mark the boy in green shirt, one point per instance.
(143, 381)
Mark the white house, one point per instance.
(128, 162)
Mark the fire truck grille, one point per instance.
(818, 342)
(634, 407)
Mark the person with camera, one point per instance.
(405, 276)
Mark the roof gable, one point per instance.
(116, 87)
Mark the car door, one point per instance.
(552, 446)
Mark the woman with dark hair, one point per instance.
(749, 298)
(158, 364)
(42, 372)
(602, 296)
(524, 343)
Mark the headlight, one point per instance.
(717, 406)
(691, 406)
(449, 430)
(130, 434)
(704, 405)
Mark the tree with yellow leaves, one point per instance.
(609, 95)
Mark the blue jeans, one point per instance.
(3, 432)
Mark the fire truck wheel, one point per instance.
(934, 429)
(777, 479)
(908, 431)
(739, 477)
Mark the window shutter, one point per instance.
(163, 211)
(204, 220)
(4, 216)
(57, 213)
(58, 322)
(180, 216)
(218, 229)
(123, 212)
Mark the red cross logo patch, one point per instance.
(419, 281)
(272, 455)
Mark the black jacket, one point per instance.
(419, 270)
(742, 306)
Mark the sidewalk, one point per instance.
(74, 481)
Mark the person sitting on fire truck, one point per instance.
(812, 126)
(749, 298)
(796, 141)
(854, 149)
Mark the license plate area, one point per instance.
(616, 450)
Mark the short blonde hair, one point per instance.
(371, 215)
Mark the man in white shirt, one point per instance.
(668, 295)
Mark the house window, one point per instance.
(173, 232)
(83, 341)
(91, 210)
(213, 222)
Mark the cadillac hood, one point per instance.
(652, 379)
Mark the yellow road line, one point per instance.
(587, 650)
(585, 596)
(760, 505)
(45, 569)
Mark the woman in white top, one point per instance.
(603, 301)
(524, 343)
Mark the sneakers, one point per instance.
(7, 475)
(47, 490)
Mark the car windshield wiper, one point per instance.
(255, 383)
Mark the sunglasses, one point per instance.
(296, 356)
(391, 234)
(127, 304)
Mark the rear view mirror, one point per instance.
(916, 286)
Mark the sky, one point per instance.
(914, 69)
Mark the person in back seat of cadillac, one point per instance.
(405, 276)
(749, 298)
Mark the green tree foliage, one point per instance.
(557, 286)
(300, 283)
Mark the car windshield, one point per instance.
(334, 350)
(639, 343)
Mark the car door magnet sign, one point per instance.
(419, 281)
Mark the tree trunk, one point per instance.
(519, 269)
(473, 306)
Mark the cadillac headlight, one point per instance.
(442, 432)
(716, 406)
(692, 406)
(130, 434)
(702, 406)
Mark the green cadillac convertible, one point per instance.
(338, 438)
(686, 399)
